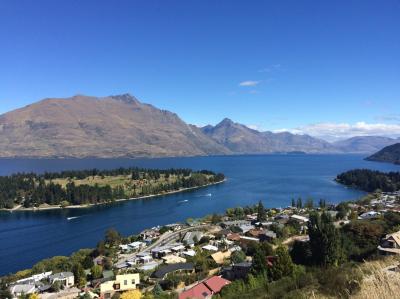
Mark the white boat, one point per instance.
(70, 218)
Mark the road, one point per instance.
(163, 240)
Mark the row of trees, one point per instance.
(370, 180)
(32, 190)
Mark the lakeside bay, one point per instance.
(31, 236)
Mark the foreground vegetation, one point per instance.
(96, 186)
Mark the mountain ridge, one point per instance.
(121, 126)
(389, 154)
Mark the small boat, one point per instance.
(183, 201)
(70, 218)
(209, 195)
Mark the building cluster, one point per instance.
(159, 254)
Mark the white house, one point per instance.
(20, 289)
(66, 278)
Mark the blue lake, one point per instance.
(27, 237)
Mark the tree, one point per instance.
(309, 203)
(293, 203)
(301, 253)
(259, 265)
(261, 214)
(97, 271)
(322, 203)
(157, 290)
(112, 237)
(215, 219)
(324, 240)
(79, 274)
(283, 266)
(238, 257)
(299, 203)
(34, 296)
(135, 294)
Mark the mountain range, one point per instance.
(121, 126)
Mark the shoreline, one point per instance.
(20, 208)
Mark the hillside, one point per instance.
(389, 154)
(364, 144)
(121, 126)
(114, 126)
(241, 139)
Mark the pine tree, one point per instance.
(324, 240)
(261, 214)
(283, 265)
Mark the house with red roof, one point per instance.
(206, 289)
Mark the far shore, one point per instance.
(50, 207)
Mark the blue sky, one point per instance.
(318, 67)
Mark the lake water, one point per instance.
(27, 237)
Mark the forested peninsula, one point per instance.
(90, 187)
(370, 180)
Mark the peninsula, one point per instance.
(84, 188)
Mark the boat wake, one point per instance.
(72, 218)
(183, 201)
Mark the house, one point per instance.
(173, 259)
(193, 237)
(246, 227)
(206, 289)
(299, 219)
(21, 289)
(164, 271)
(150, 234)
(162, 251)
(390, 245)
(210, 248)
(70, 293)
(136, 245)
(35, 278)
(66, 278)
(219, 257)
(245, 239)
(267, 235)
(369, 215)
(255, 233)
(233, 237)
(178, 248)
(122, 283)
(199, 291)
(189, 252)
(236, 271)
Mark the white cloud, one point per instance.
(337, 131)
(388, 118)
(255, 127)
(271, 68)
(249, 83)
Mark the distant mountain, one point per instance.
(364, 144)
(240, 139)
(114, 126)
(121, 126)
(389, 154)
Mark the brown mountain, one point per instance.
(240, 139)
(114, 126)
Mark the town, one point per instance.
(209, 257)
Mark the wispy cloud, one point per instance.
(249, 83)
(337, 131)
(271, 68)
(256, 127)
(388, 117)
